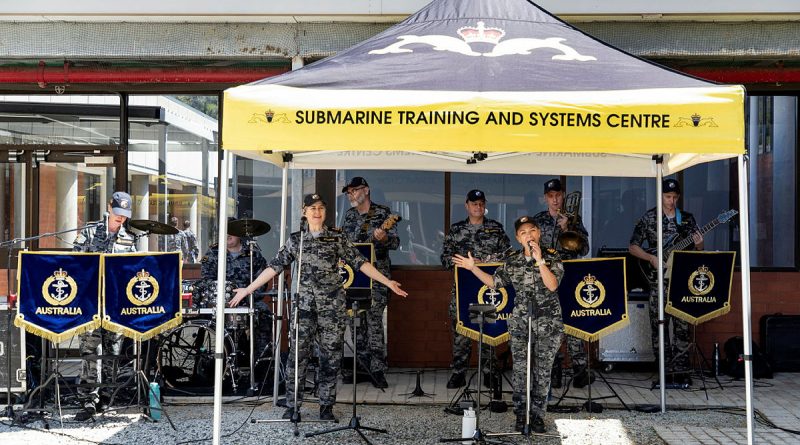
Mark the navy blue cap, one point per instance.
(524, 220)
(312, 199)
(357, 181)
(475, 195)
(670, 185)
(121, 204)
(553, 185)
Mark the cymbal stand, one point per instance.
(251, 315)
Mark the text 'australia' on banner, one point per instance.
(700, 285)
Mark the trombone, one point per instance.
(571, 240)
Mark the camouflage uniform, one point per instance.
(646, 230)
(175, 243)
(94, 239)
(549, 240)
(237, 273)
(322, 312)
(488, 242)
(359, 229)
(547, 328)
(192, 251)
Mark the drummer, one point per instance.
(237, 274)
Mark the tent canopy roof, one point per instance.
(502, 77)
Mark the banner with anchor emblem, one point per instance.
(59, 294)
(594, 300)
(141, 293)
(356, 284)
(470, 290)
(700, 285)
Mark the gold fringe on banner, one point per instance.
(142, 336)
(475, 335)
(670, 309)
(583, 335)
(20, 322)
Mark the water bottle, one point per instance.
(715, 364)
(468, 424)
(155, 401)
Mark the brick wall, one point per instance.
(419, 327)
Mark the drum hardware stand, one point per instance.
(418, 391)
(142, 384)
(696, 356)
(295, 419)
(481, 314)
(355, 421)
(253, 390)
(40, 413)
(589, 405)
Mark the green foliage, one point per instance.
(208, 105)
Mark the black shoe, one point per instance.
(347, 376)
(457, 380)
(683, 379)
(379, 380)
(85, 414)
(288, 414)
(556, 377)
(519, 424)
(537, 424)
(326, 413)
(583, 378)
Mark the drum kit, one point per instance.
(185, 355)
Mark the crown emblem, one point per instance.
(142, 275)
(481, 34)
(696, 119)
(314, 196)
(702, 269)
(589, 279)
(269, 114)
(60, 274)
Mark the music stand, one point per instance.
(481, 314)
(355, 421)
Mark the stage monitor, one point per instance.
(637, 284)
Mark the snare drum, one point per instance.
(186, 356)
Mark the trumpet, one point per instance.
(570, 240)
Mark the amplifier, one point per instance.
(780, 336)
(14, 352)
(632, 343)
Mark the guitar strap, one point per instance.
(678, 216)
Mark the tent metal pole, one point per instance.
(222, 236)
(277, 334)
(662, 375)
(744, 248)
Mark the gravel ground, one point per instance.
(406, 424)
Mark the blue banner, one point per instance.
(59, 294)
(141, 293)
(355, 279)
(700, 285)
(593, 297)
(470, 290)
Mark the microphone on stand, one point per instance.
(303, 223)
(105, 221)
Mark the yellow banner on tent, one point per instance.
(674, 120)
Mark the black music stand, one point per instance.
(481, 314)
(355, 421)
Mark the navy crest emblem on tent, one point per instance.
(483, 34)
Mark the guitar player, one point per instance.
(368, 222)
(676, 224)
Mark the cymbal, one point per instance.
(247, 227)
(153, 227)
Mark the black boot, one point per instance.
(379, 380)
(86, 413)
(519, 424)
(556, 376)
(326, 413)
(537, 424)
(457, 380)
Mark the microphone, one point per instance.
(303, 223)
(105, 221)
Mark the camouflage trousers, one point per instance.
(676, 349)
(90, 343)
(263, 327)
(577, 353)
(462, 346)
(547, 333)
(369, 341)
(325, 328)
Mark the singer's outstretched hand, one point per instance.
(395, 287)
(464, 262)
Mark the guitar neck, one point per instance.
(685, 242)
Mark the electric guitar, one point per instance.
(673, 243)
(390, 221)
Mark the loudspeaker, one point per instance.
(15, 352)
(637, 283)
(780, 335)
(632, 343)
